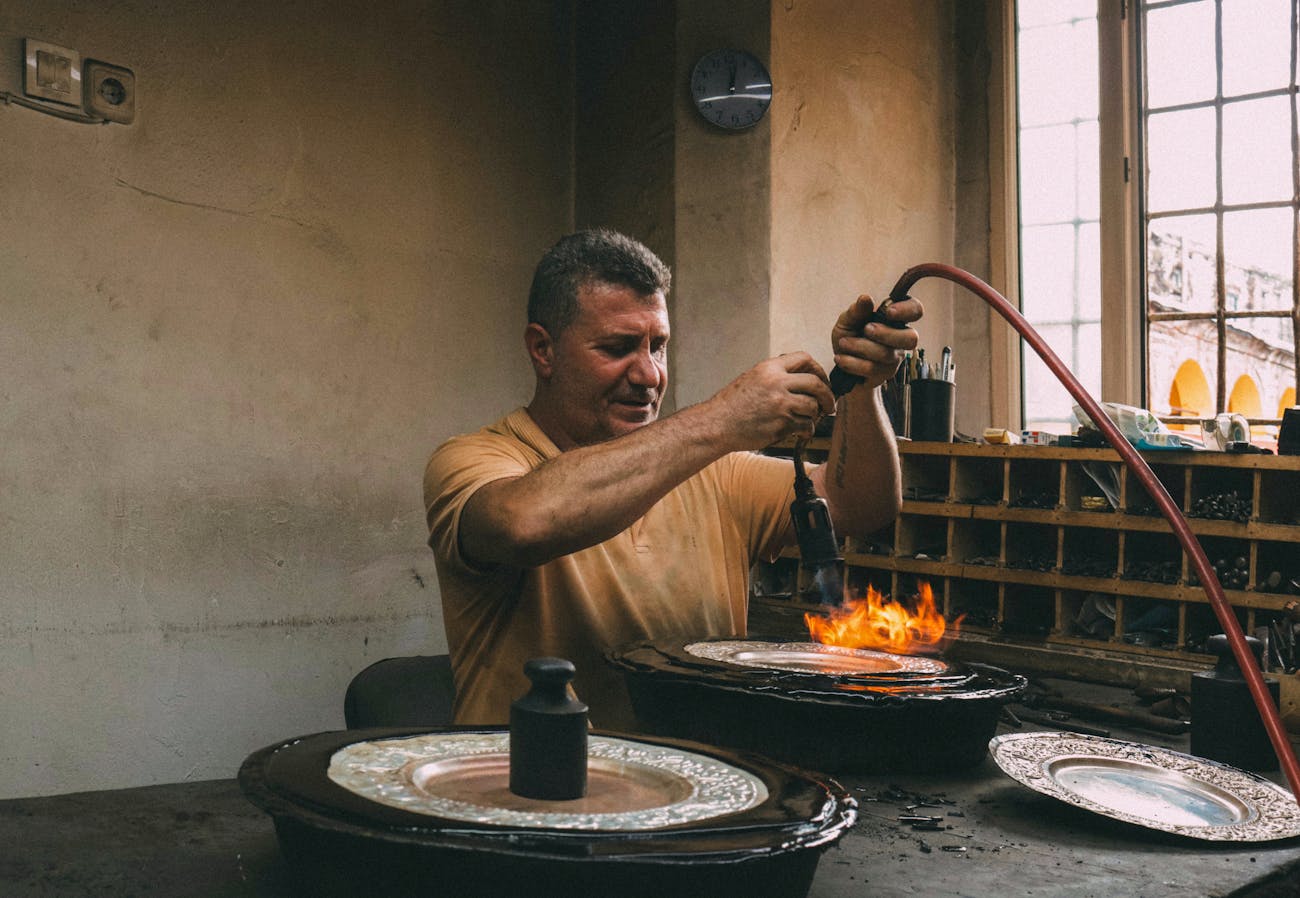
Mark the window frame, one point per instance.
(1123, 214)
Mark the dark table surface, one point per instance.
(999, 839)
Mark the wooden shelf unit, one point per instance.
(1019, 538)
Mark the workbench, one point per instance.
(999, 839)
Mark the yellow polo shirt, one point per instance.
(681, 571)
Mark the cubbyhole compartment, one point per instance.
(922, 535)
(1151, 558)
(1028, 610)
(975, 602)
(1277, 497)
(925, 478)
(1202, 623)
(1277, 632)
(1230, 559)
(1088, 552)
(976, 542)
(1277, 568)
(1092, 486)
(910, 586)
(1088, 615)
(1031, 547)
(774, 579)
(1138, 500)
(1034, 484)
(978, 481)
(879, 543)
(1150, 623)
(1222, 494)
(857, 580)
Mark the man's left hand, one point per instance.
(873, 350)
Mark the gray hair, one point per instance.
(598, 255)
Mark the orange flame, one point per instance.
(875, 622)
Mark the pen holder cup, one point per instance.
(932, 406)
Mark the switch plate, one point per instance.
(110, 91)
(52, 72)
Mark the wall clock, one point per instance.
(731, 89)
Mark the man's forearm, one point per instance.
(861, 479)
(587, 495)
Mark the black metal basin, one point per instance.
(341, 843)
(839, 710)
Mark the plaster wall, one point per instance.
(723, 207)
(862, 162)
(233, 332)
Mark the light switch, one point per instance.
(52, 73)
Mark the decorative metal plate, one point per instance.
(465, 777)
(813, 657)
(1150, 786)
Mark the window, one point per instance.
(1215, 103)
(1060, 291)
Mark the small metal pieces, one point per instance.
(1033, 561)
(1040, 499)
(1227, 506)
(1151, 571)
(915, 819)
(1086, 565)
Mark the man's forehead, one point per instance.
(609, 304)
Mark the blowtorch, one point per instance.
(819, 550)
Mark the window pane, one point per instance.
(1181, 265)
(1256, 45)
(1090, 275)
(1182, 367)
(1180, 54)
(1244, 396)
(1058, 73)
(1049, 172)
(1088, 169)
(1047, 272)
(1047, 403)
(1257, 151)
(1053, 12)
(1059, 196)
(1258, 255)
(1180, 160)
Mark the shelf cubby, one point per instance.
(1015, 539)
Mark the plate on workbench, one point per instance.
(1150, 786)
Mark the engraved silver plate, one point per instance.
(813, 657)
(1150, 786)
(464, 777)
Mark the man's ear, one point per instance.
(541, 350)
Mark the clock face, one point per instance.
(731, 89)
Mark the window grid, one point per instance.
(1222, 315)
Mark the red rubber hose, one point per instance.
(1209, 580)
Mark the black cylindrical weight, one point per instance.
(548, 735)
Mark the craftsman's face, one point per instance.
(609, 367)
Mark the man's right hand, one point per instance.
(775, 400)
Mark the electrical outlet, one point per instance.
(110, 91)
(52, 72)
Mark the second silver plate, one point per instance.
(1150, 786)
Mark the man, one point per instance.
(583, 522)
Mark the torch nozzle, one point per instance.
(819, 550)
